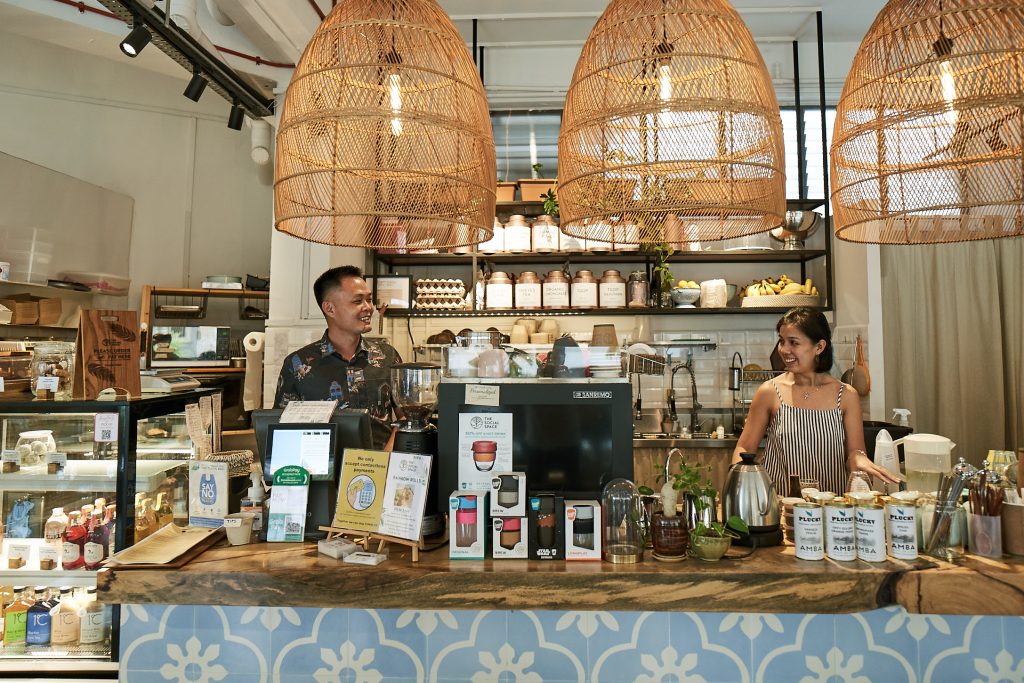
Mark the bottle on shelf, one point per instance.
(65, 622)
(254, 500)
(95, 549)
(37, 626)
(74, 542)
(164, 512)
(16, 617)
(93, 624)
(87, 512)
(54, 528)
(111, 524)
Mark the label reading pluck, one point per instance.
(840, 534)
(808, 532)
(870, 531)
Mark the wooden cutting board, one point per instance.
(861, 379)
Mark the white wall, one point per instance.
(201, 206)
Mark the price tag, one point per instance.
(483, 395)
(48, 383)
(48, 557)
(105, 427)
(232, 521)
(56, 462)
(11, 457)
(17, 551)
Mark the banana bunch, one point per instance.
(784, 285)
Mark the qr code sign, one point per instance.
(105, 427)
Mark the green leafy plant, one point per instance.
(662, 272)
(550, 202)
(537, 169)
(733, 527)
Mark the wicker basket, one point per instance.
(781, 301)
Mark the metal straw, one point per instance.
(950, 488)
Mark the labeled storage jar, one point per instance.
(611, 290)
(518, 236)
(584, 290)
(496, 243)
(545, 234)
(556, 290)
(53, 366)
(528, 290)
(499, 291)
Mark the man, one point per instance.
(343, 365)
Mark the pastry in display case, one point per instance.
(79, 481)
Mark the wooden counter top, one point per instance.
(295, 575)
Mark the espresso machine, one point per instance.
(414, 388)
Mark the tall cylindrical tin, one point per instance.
(869, 525)
(840, 536)
(808, 531)
(902, 525)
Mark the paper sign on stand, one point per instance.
(308, 411)
(287, 519)
(207, 493)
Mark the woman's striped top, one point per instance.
(807, 443)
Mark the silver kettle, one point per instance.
(750, 495)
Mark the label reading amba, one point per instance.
(592, 394)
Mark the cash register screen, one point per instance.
(310, 446)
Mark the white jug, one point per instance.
(925, 458)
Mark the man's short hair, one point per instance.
(331, 279)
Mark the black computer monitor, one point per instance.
(308, 445)
(352, 430)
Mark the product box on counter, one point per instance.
(547, 527)
(582, 530)
(508, 494)
(469, 534)
(509, 538)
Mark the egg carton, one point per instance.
(440, 286)
(437, 303)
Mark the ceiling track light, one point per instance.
(191, 55)
(236, 117)
(196, 86)
(135, 41)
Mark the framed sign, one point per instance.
(393, 290)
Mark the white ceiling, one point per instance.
(277, 30)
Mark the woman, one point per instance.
(812, 421)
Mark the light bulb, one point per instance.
(948, 89)
(395, 96)
(665, 82)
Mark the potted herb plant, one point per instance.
(670, 529)
(710, 541)
(662, 279)
(532, 189)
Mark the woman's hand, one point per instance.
(860, 462)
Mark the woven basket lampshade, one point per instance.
(385, 137)
(671, 130)
(927, 141)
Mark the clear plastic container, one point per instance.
(53, 366)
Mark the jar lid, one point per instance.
(556, 275)
(498, 277)
(516, 219)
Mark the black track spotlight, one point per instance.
(136, 40)
(196, 86)
(236, 117)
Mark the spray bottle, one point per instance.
(901, 417)
(254, 500)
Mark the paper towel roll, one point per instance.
(252, 390)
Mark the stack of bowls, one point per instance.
(787, 516)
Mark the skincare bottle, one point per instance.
(96, 543)
(74, 538)
(92, 629)
(55, 527)
(16, 617)
(254, 500)
(111, 525)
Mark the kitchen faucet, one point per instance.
(696, 406)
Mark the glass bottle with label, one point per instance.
(55, 526)
(111, 525)
(37, 625)
(93, 626)
(16, 617)
(143, 525)
(65, 623)
(74, 542)
(96, 543)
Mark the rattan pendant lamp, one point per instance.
(671, 130)
(927, 141)
(385, 137)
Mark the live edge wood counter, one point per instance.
(771, 580)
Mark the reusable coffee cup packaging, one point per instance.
(583, 527)
(510, 532)
(508, 490)
(546, 522)
(465, 522)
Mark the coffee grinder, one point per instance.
(414, 387)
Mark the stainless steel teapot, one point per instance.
(750, 495)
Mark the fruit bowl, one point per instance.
(685, 297)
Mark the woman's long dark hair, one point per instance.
(813, 323)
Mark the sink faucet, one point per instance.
(696, 406)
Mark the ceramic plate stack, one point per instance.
(787, 516)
